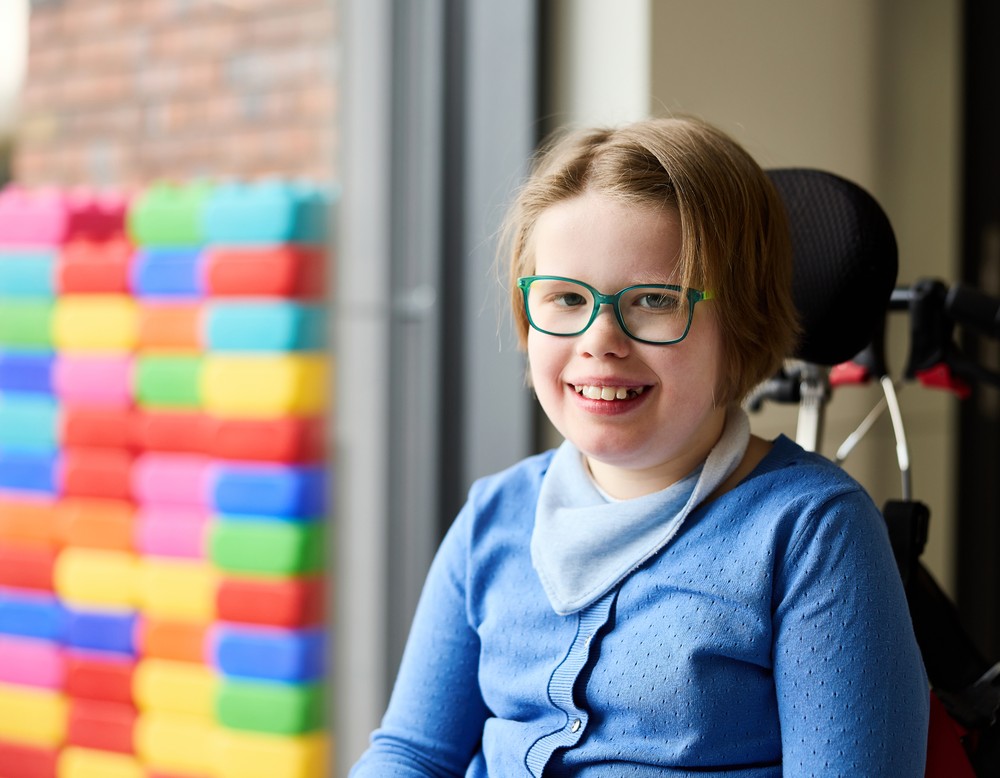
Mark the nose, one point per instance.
(604, 337)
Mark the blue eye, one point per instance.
(569, 299)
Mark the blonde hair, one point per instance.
(734, 231)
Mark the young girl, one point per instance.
(665, 594)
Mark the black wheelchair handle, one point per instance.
(968, 306)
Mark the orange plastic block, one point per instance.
(170, 326)
(95, 472)
(28, 522)
(96, 427)
(178, 640)
(27, 567)
(94, 267)
(24, 761)
(265, 271)
(284, 439)
(107, 726)
(177, 431)
(90, 522)
(279, 602)
(94, 677)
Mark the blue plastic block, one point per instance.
(274, 654)
(29, 422)
(29, 472)
(167, 272)
(26, 371)
(101, 630)
(266, 213)
(268, 490)
(28, 273)
(264, 326)
(32, 615)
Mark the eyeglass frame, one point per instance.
(694, 296)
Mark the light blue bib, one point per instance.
(582, 545)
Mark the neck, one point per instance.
(625, 483)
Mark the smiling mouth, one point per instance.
(608, 393)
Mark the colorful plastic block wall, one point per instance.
(163, 486)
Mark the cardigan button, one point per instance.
(575, 726)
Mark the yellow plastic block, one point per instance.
(184, 688)
(174, 589)
(95, 577)
(242, 755)
(172, 743)
(99, 322)
(31, 716)
(265, 386)
(90, 763)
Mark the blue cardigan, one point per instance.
(769, 638)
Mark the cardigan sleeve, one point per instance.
(852, 692)
(435, 718)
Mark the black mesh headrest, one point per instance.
(845, 262)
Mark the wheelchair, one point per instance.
(846, 260)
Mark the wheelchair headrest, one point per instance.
(845, 262)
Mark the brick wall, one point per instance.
(122, 92)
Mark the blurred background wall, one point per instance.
(120, 93)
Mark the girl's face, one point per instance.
(667, 421)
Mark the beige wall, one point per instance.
(868, 89)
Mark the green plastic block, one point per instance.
(272, 707)
(26, 323)
(266, 546)
(169, 215)
(168, 381)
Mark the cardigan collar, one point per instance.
(582, 545)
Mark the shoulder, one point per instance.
(519, 482)
(794, 498)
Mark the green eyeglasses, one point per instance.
(649, 313)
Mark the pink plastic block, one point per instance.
(32, 662)
(171, 479)
(50, 217)
(171, 531)
(104, 381)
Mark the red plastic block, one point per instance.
(94, 267)
(177, 431)
(27, 567)
(95, 472)
(265, 271)
(89, 427)
(21, 761)
(91, 677)
(291, 440)
(106, 726)
(279, 602)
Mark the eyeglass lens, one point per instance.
(648, 313)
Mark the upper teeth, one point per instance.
(607, 392)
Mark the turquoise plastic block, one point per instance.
(264, 326)
(27, 273)
(169, 215)
(265, 213)
(29, 422)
